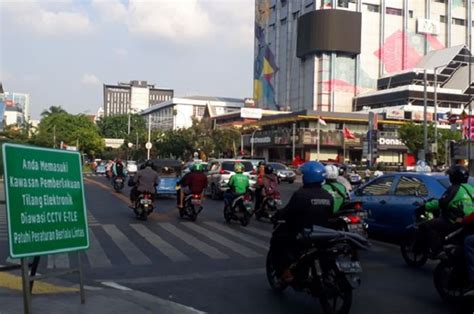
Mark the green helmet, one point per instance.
(197, 167)
(238, 167)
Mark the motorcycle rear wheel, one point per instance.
(339, 298)
(273, 279)
(227, 214)
(411, 258)
(450, 284)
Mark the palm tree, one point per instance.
(52, 110)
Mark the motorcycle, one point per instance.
(144, 205)
(269, 206)
(118, 183)
(326, 266)
(192, 206)
(415, 251)
(351, 217)
(451, 277)
(239, 210)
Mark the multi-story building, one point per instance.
(178, 113)
(18, 104)
(319, 54)
(132, 97)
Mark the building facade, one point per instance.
(319, 54)
(178, 113)
(132, 97)
(19, 106)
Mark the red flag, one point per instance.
(348, 134)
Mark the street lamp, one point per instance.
(251, 143)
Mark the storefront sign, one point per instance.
(261, 140)
(390, 141)
(251, 113)
(468, 127)
(418, 116)
(425, 26)
(45, 201)
(395, 114)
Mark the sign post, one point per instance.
(46, 209)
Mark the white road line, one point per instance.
(238, 234)
(254, 230)
(131, 252)
(115, 285)
(234, 246)
(167, 249)
(202, 247)
(95, 254)
(58, 261)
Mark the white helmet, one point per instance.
(331, 172)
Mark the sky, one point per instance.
(62, 51)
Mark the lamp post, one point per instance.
(436, 107)
(251, 143)
(425, 110)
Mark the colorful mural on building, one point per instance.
(265, 66)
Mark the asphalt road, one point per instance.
(219, 268)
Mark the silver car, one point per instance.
(219, 173)
(283, 172)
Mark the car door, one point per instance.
(376, 197)
(409, 193)
(212, 175)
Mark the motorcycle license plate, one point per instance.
(362, 215)
(145, 201)
(196, 202)
(278, 202)
(248, 206)
(118, 180)
(348, 266)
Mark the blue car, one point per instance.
(391, 199)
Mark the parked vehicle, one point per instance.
(270, 204)
(391, 200)
(240, 209)
(220, 171)
(132, 166)
(192, 206)
(144, 205)
(283, 172)
(326, 266)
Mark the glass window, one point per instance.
(394, 11)
(410, 13)
(457, 21)
(442, 19)
(381, 186)
(411, 186)
(229, 165)
(277, 166)
(372, 7)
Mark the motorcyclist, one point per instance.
(342, 178)
(454, 205)
(118, 169)
(259, 184)
(238, 184)
(310, 205)
(145, 180)
(335, 188)
(193, 182)
(267, 186)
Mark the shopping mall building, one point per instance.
(343, 58)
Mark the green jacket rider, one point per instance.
(239, 183)
(337, 190)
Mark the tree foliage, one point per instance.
(52, 110)
(411, 135)
(117, 126)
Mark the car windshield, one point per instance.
(229, 166)
(278, 166)
(131, 163)
(167, 172)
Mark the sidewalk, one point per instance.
(60, 297)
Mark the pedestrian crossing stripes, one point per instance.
(154, 243)
(3, 224)
(91, 221)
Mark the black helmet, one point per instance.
(261, 163)
(149, 163)
(268, 169)
(458, 174)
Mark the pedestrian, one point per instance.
(368, 174)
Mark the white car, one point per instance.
(132, 166)
(219, 173)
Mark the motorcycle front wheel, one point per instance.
(336, 297)
(413, 257)
(227, 214)
(450, 283)
(273, 279)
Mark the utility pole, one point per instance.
(425, 112)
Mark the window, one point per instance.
(442, 19)
(410, 186)
(394, 11)
(283, 3)
(283, 21)
(440, 1)
(381, 186)
(372, 7)
(410, 14)
(198, 111)
(295, 15)
(457, 21)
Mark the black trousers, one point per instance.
(284, 247)
(258, 198)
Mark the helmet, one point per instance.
(148, 163)
(268, 169)
(332, 172)
(197, 167)
(261, 163)
(313, 172)
(238, 167)
(458, 174)
(342, 170)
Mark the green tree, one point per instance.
(117, 126)
(52, 110)
(69, 129)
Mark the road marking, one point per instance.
(238, 234)
(195, 276)
(95, 254)
(234, 246)
(115, 285)
(203, 247)
(167, 249)
(58, 261)
(131, 252)
(260, 232)
(13, 282)
(91, 220)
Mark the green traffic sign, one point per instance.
(46, 208)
